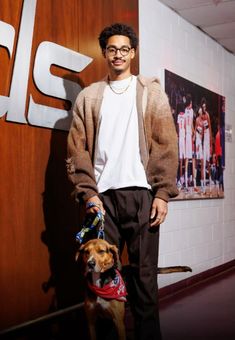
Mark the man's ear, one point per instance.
(133, 53)
(115, 252)
(103, 53)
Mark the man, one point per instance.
(207, 140)
(199, 146)
(189, 128)
(181, 142)
(123, 161)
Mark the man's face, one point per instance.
(118, 63)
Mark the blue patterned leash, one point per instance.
(91, 224)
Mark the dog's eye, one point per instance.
(101, 251)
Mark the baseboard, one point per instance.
(177, 287)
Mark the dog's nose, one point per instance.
(91, 263)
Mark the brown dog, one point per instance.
(105, 296)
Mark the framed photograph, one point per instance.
(199, 116)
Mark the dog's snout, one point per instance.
(91, 263)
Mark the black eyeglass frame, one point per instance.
(115, 49)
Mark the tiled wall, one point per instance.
(199, 233)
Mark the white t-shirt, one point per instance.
(118, 163)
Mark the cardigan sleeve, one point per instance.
(163, 149)
(79, 159)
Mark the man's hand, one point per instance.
(158, 212)
(98, 205)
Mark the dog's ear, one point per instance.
(80, 250)
(114, 250)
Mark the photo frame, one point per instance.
(199, 116)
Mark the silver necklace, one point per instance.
(121, 90)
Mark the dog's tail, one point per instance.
(173, 269)
(126, 270)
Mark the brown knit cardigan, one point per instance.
(157, 139)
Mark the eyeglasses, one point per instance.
(112, 50)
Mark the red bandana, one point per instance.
(115, 289)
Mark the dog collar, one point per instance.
(115, 289)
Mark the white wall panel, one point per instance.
(200, 234)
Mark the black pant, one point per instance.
(127, 220)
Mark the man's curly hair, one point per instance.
(118, 29)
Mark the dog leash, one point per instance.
(91, 223)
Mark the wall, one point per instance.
(198, 233)
(38, 216)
